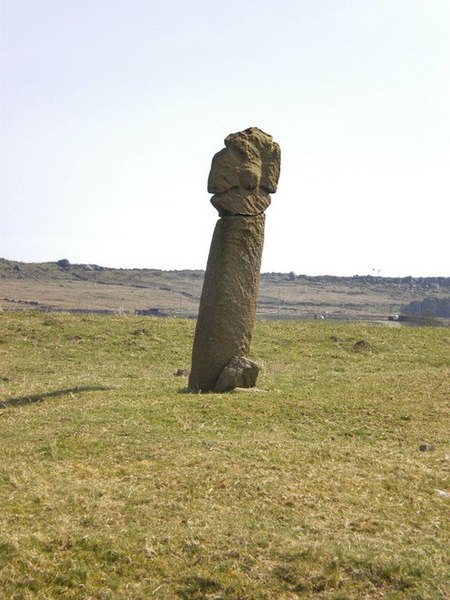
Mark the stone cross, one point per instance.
(242, 176)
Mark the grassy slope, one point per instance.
(97, 288)
(116, 485)
(125, 290)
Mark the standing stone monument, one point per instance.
(242, 176)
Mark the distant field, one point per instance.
(48, 286)
(331, 484)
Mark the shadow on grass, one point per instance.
(39, 397)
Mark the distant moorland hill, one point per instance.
(62, 286)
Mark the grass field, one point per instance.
(115, 484)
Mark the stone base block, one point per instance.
(240, 372)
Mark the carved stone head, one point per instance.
(244, 173)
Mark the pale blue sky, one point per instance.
(111, 111)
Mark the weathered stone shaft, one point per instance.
(228, 302)
(242, 176)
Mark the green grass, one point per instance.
(115, 484)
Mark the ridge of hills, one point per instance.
(63, 286)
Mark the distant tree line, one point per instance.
(429, 307)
